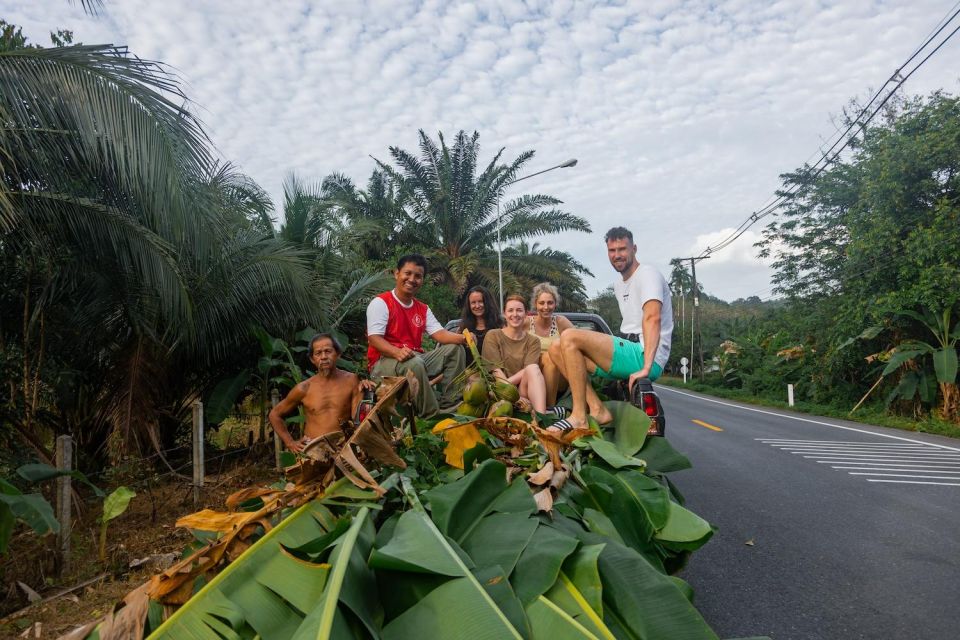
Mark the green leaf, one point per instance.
(242, 585)
(551, 622)
(581, 569)
(539, 564)
(565, 595)
(629, 427)
(900, 357)
(512, 533)
(39, 472)
(32, 509)
(498, 587)
(684, 529)
(611, 454)
(661, 457)
(116, 503)
(224, 396)
(459, 506)
(945, 365)
(462, 599)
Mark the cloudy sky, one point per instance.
(681, 114)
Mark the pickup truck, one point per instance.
(643, 396)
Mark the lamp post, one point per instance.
(572, 162)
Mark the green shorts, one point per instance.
(627, 359)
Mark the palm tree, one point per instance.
(451, 210)
(529, 264)
(134, 263)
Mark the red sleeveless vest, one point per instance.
(405, 326)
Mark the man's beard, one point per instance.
(325, 370)
(626, 266)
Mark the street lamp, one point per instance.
(572, 162)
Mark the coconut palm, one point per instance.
(451, 209)
(136, 263)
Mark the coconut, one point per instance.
(467, 409)
(475, 392)
(499, 409)
(506, 391)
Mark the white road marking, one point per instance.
(901, 460)
(900, 469)
(927, 465)
(820, 422)
(904, 475)
(944, 484)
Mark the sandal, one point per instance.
(560, 412)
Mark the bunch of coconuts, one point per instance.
(484, 394)
(491, 400)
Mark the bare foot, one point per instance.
(603, 416)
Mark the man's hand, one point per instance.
(405, 353)
(367, 385)
(295, 446)
(643, 373)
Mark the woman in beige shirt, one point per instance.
(516, 354)
(547, 326)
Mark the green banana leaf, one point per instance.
(550, 622)
(628, 429)
(539, 565)
(457, 508)
(661, 457)
(460, 607)
(638, 600)
(271, 593)
(565, 595)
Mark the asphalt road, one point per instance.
(827, 528)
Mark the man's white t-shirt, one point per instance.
(645, 284)
(378, 315)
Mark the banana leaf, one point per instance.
(638, 600)
(628, 429)
(550, 622)
(568, 598)
(458, 507)
(271, 593)
(458, 608)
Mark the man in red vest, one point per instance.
(396, 322)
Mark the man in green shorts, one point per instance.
(641, 350)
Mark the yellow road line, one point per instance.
(704, 424)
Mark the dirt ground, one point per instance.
(145, 529)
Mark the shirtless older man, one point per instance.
(329, 397)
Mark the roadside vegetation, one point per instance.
(865, 311)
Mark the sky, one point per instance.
(681, 115)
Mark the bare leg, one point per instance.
(551, 376)
(576, 353)
(533, 388)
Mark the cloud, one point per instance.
(681, 114)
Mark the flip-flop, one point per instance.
(560, 412)
(563, 425)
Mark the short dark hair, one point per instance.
(617, 233)
(326, 336)
(415, 258)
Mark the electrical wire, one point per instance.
(829, 156)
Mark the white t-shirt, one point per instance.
(378, 314)
(645, 284)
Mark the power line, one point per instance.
(829, 156)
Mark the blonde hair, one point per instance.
(544, 287)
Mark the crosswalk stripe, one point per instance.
(872, 460)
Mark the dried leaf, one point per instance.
(32, 596)
(749, 542)
(543, 475)
(544, 500)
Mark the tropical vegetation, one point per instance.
(866, 305)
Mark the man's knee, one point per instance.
(533, 372)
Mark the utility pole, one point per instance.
(696, 338)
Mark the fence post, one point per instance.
(274, 401)
(64, 460)
(197, 452)
(790, 394)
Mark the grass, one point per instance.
(867, 414)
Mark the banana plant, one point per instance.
(943, 353)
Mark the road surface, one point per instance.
(827, 528)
